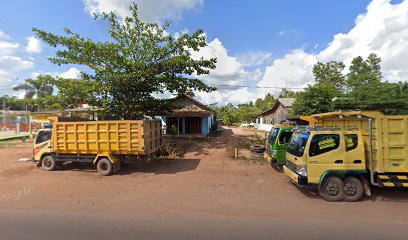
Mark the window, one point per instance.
(43, 136)
(297, 144)
(323, 143)
(351, 142)
(272, 135)
(285, 136)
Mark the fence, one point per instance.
(24, 127)
(265, 127)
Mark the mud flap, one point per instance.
(366, 185)
(116, 167)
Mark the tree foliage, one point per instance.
(315, 99)
(329, 74)
(36, 88)
(360, 89)
(141, 60)
(38, 93)
(287, 93)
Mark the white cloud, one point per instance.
(151, 10)
(383, 30)
(294, 70)
(228, 71)
(234, 96)
(256, 58)
(33, 45)
(11, 62)
(72, 73)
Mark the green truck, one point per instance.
(276, 144)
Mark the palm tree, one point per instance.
(402, 89)
(36, 89)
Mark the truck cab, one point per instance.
(42, 144)
(329, 159)
(276, 144)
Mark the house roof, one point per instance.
(285, 102)
(199, 104)
(201, 111)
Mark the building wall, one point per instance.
(277, 116)
(207, 122)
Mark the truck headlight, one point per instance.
(301, 170)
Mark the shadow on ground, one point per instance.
(377, 194)
(163, 166)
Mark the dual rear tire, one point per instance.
(334, 189)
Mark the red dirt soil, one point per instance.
(204, 182)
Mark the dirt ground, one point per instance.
(204, 182)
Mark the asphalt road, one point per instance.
(47, 225)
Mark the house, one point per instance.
(275, 115)
(189, 116)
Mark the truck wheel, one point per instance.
(332, 189)
(48, 163)
(353, 189)
(275, 165)
(104, 167)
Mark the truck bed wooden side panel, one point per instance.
(390, 136)
(118, 137)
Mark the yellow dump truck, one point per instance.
(347, 152)
(103, 143)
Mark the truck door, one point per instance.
(326, 152)
(283, 141)
(42, 143)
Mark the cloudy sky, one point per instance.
(262, 44)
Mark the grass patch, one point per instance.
(14, 142)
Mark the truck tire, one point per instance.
(104, 167)
(48, 163)
(275, 165)
(332, 189)
(257, 148)
(353, 189)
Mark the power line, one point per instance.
(249, 86)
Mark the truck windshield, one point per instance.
(297, 144)
(43, 136)
(272, 135)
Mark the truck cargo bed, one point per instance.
(141, 137)
(389, 136)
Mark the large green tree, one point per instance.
(315, 99)
(74, 92)
(364, 72)
(141, 60)
(330, 74)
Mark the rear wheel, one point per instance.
(332, 189)
(48, 163)
(104, 167)
(353, 189)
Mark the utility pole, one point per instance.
(4, 111)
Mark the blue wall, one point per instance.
(205, 124)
